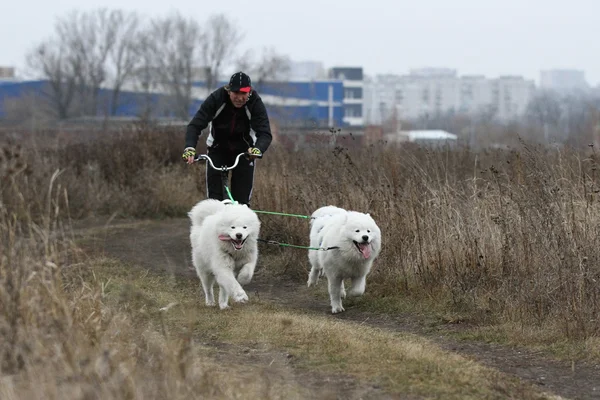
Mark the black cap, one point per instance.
(240, 82)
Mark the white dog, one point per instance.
(356, 239)
(223, 238)
(317, 222)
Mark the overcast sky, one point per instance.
(489, 37)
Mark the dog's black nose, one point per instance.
(365, 238)
(238, 235)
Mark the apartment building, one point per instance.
(434, 91)
(563, 80)
(352, 79)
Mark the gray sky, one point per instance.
(489, 37)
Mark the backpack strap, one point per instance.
(248, 113)
(219, 110)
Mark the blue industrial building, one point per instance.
(317, 103)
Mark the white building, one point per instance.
(434, 137)
(563, 80)
(510, 96)
(476, 92)
(380, 98)
(432, 72)
(434, 91)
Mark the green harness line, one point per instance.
(286, 215)
(269, 212)
(229, 194)
(296, 246)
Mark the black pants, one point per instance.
(242, 176)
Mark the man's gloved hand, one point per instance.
(254, 153)
(188, 154)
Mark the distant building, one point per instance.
(433, 137)
(510, 96)
(428, 92)
(318, 99)
(316, 104)
(563, 80)
(7, 74)
(352, 79)
(476, 92)
(381, 98)
(433, 72)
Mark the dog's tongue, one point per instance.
(365, 249)
(225, 238)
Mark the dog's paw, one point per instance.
(312, 282)
(244, 277)
(224, 306)
(240, 297)
(343, 293)
(337, 309)
(210, 303)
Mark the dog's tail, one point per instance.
(203, 209)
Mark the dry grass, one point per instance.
(401, 363)
(500, 238)
(64, 336)
(497, 237)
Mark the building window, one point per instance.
(353, 111)
(353, 93)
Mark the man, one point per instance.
(238, 122)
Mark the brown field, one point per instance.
(501, 246)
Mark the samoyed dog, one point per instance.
(317, 222)
(223, 238)
(356, 242)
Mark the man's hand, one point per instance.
(254, 153)
(188, 155)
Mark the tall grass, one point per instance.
(60, 338)
(505, 236)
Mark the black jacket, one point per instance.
(236, 129)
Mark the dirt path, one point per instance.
(164, 245)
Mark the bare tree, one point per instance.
(579, 111)
(123, 54)
(170, 53)
(146, 78)
(544, 110)
(52, 61)
(269, 65)
(219, 43)
(90, 36)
